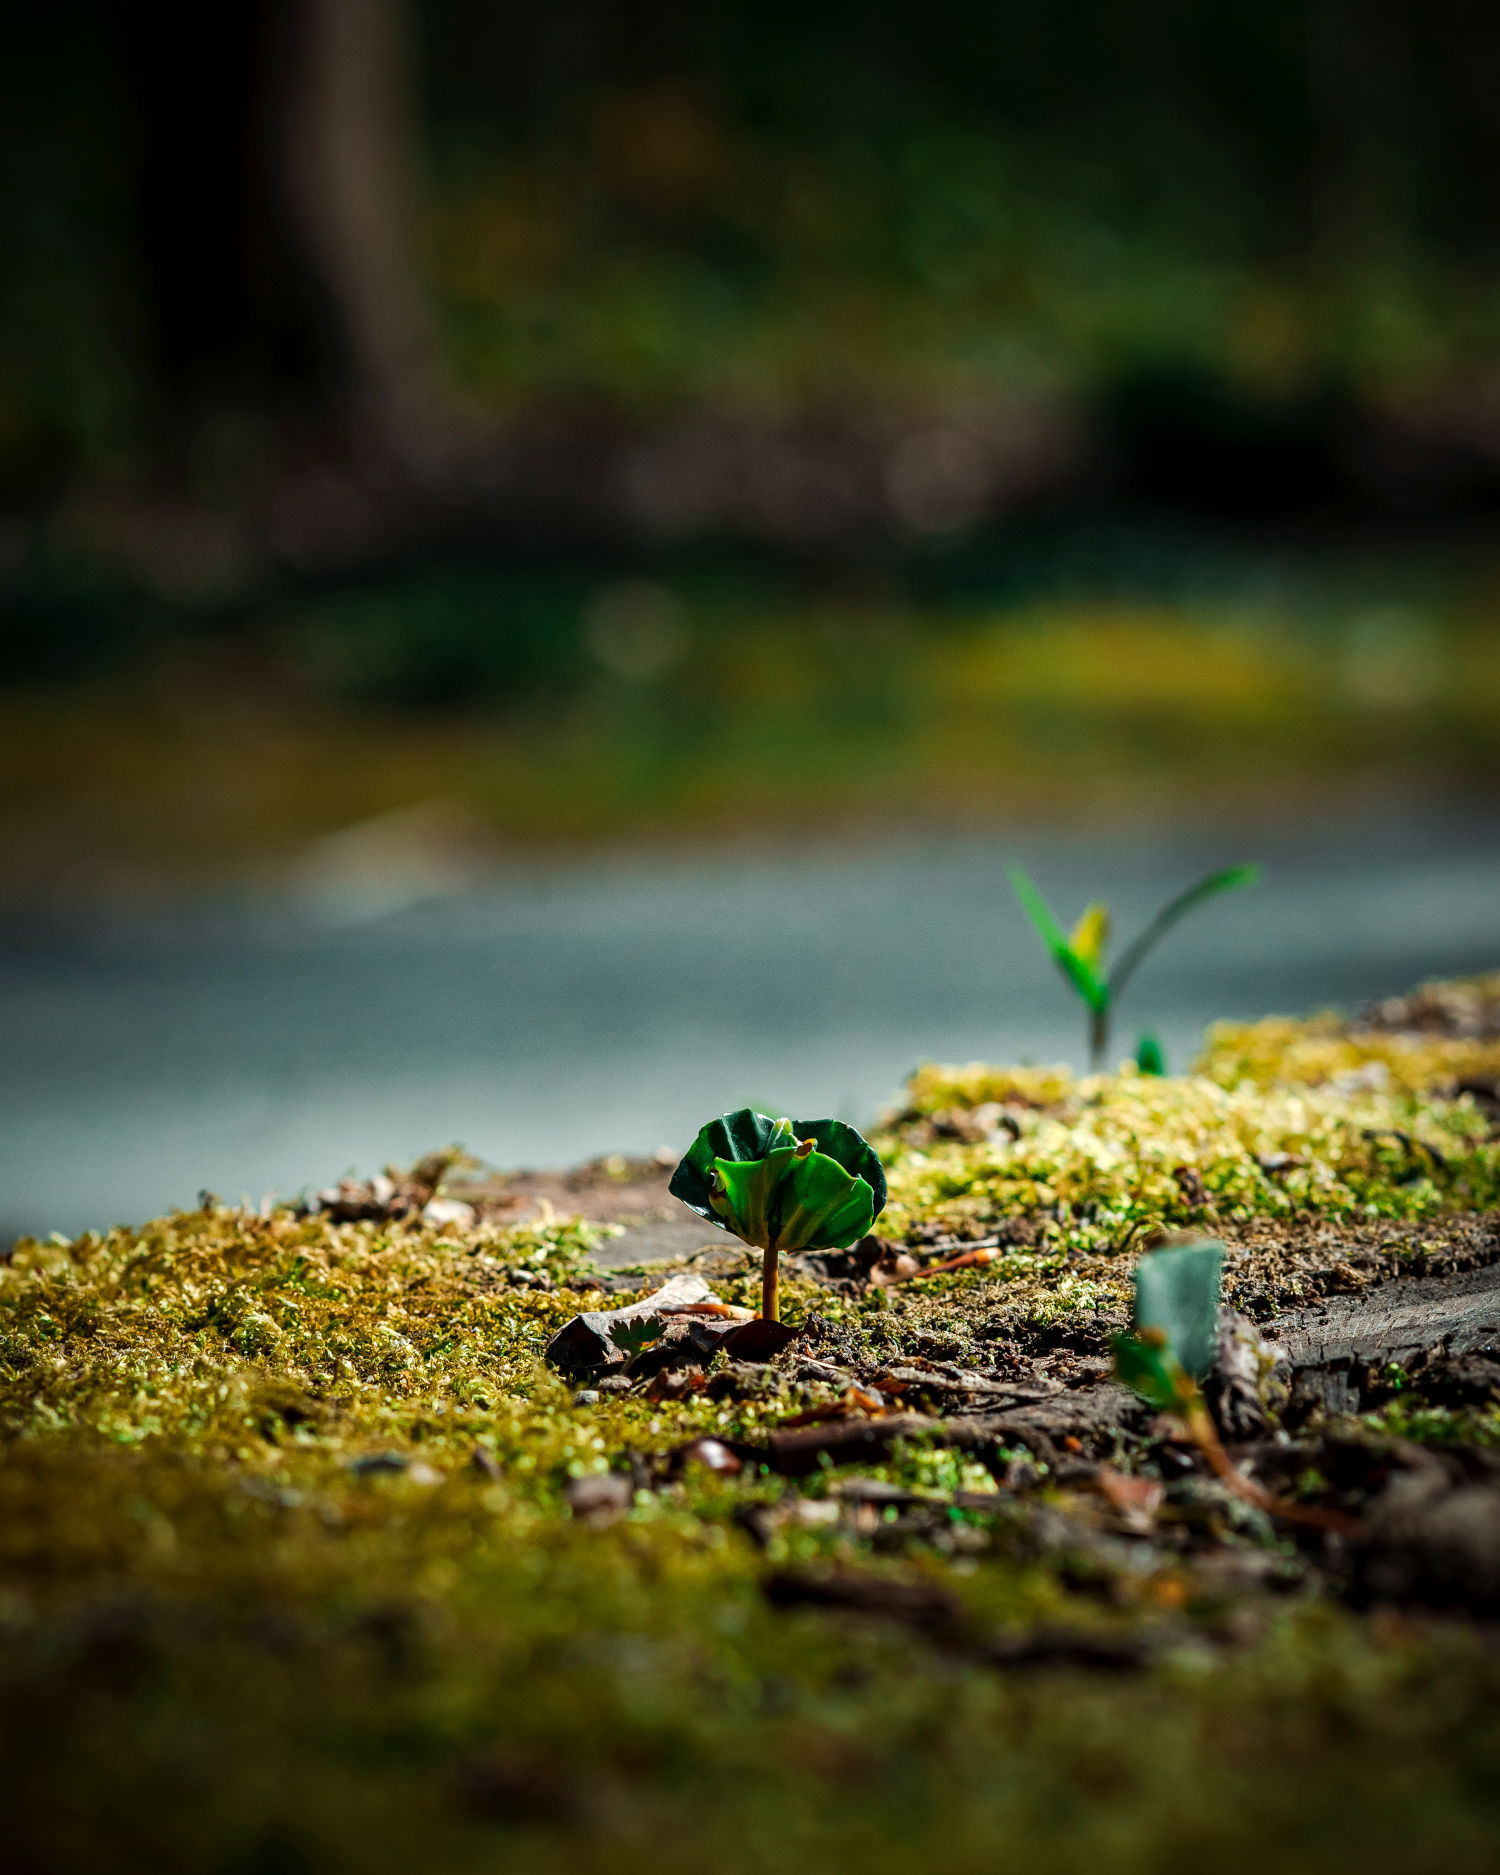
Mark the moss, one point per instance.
(1107, 1152)
(1327, 1052)
(232, 1641)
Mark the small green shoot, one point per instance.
(1171, 1348)
(782, 1185)
(1145, 1363)
(1150, 1057)
(1177, 1291)
(633, 1338)
(1080, 954)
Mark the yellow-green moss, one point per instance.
(1109, 1151)
(226, 1642)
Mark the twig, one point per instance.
(1205, 1435)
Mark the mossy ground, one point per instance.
(288, 1579)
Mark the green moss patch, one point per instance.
(289, 1578)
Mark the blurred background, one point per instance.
(549, 555)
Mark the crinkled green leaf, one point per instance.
(793, 1201)
(739, 1173)
(746, 1195)
(823, 1207)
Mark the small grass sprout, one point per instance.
(1080, 954)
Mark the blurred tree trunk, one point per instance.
(1359, 79)
(341, 149)
(276, 213)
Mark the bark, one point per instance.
(1395, 1322)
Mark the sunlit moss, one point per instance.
(1326, 1051)
(296, 1488)
(1110, 1150)
(932, 1089)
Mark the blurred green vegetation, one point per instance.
(1228, 236)
(758, 205)
(1074, 676)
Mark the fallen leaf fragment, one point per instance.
(894, 1269)
(757, 1340)
(897, 1271)
(587, 1340)
(712, 1454)
(607, 1337)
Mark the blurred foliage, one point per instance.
(1063, 674)
(735, 201)
(727, 203)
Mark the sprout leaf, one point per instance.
(783, 1184)
(1153, 1371)
(1079, 971)
(1090, 935)
(1177, 1294)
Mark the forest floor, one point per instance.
(310, 1557)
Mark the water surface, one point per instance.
(613, 1005)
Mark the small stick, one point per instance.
(971, 1259)
(1205, 1435)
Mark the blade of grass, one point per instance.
(1131, 958)
(1085, 981)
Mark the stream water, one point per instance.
(615, 1004)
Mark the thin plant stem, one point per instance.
(770, 1275)
(1205, 1435)
(1135, 953)
(1098, 1037)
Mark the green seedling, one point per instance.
(782, 1185)
(1150, 1057)
(633, 1338)
(1177, 1291)
(1171, 1346)
(1080, 954)
(1171, 1349)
